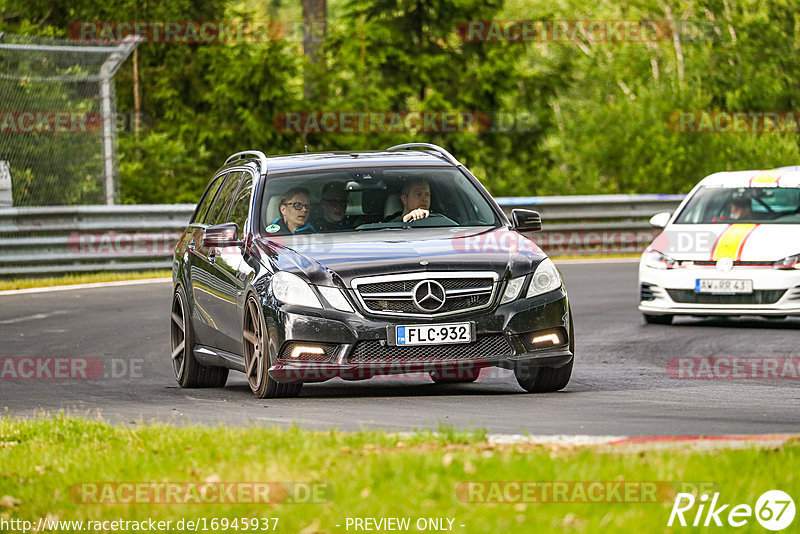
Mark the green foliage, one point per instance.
(574, 117)
(371, 473)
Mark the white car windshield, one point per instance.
(729, 205)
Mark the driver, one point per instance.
(416, 199)
(741, 208)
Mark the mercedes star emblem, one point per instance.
(429, 296)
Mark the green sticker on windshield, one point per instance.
(272, 228)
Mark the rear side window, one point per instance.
(222, 206)
(201, 213)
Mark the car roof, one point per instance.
(760, 178)
(351, 159)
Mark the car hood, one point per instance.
(740, 242)
(324, 257)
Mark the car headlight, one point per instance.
(291, 289)
(513, 289)
(657, 260)
(545, 279)
(335, 298)
(790, 262)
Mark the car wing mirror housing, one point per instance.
(222, 235)
(526, 220)
(660, 220)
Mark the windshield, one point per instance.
(353, 200)
(727, 205)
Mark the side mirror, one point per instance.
(660, 220)
(221, 235)
(526, 220)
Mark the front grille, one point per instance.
(764, 296)
(330, 351)
(394, 295)
(485, 346)
(408, 285)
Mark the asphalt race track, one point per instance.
(620, 385)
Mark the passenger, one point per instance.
(334, 206)
(295, 208)
(416, 199)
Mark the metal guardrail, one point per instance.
(57, 240)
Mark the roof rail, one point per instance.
(250, 154)
(426, 146)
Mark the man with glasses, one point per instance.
(295, 210)
(334, 206)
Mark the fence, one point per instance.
(58, 128)
(56, 240)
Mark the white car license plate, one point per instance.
(728, 287)
(434, 334)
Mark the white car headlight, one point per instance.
(335, 298)
(545, 279)
(657, 260)
(291, 289)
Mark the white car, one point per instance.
(731, 248)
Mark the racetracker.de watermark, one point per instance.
(205, 492)
(733, 368)
(562, 242)
(571, 31)
(122, 243)
(331, 122)
(734, 122)
(66, 121)
(575, 491)
(177, 32)
(69, 368)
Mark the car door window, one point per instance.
(201, 213)
(222, 205)
(241, 204)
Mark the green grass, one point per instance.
(87, 278)
(369, 474)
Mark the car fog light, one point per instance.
(552, 338)
(306, 349)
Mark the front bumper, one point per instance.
(355, 346)
(672, 292)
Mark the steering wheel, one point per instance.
(433, 215)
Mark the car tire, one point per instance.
(657, 319)
(188, 372)
(258, 356)
(535, 379)
(464, 377)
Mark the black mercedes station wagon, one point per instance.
(307, 267)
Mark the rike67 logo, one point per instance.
(774, 510)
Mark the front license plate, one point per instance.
(723, 287)
(434, 334)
